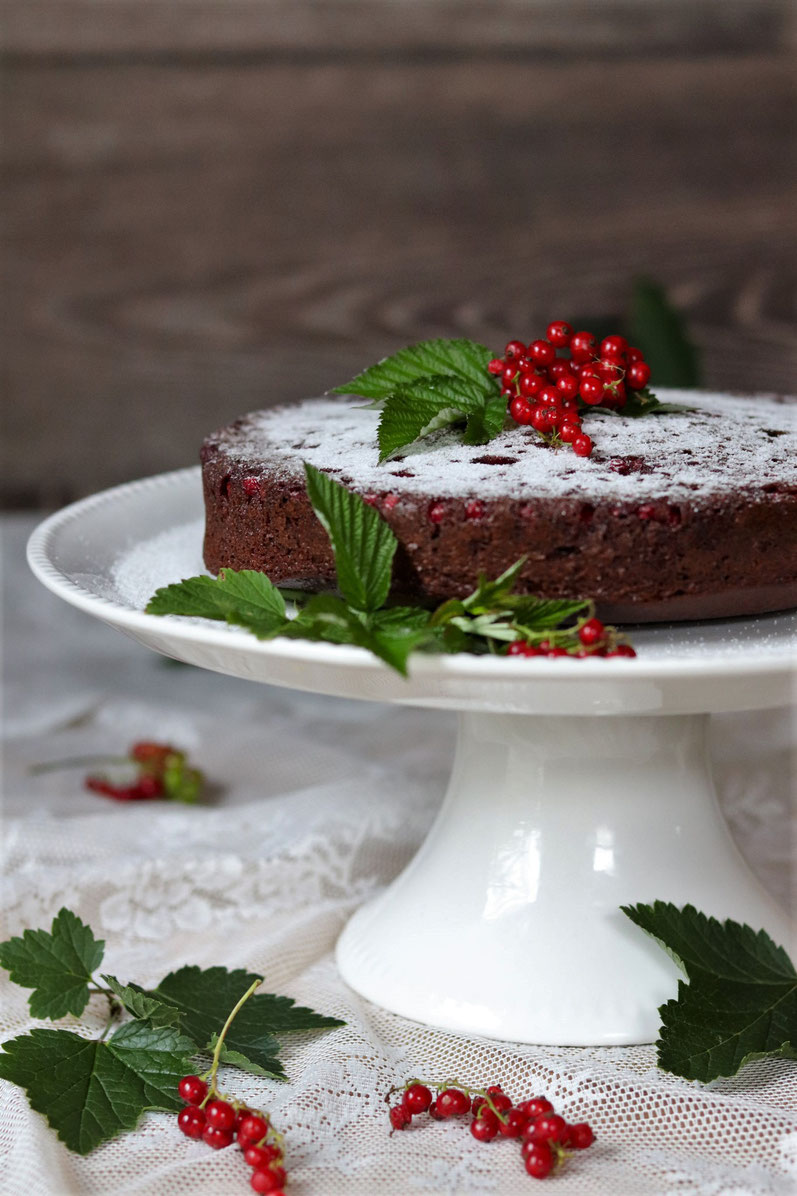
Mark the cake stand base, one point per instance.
(507, 923)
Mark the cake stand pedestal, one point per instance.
(577, 787)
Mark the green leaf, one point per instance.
(489, 594)
(438, 401)
(58, 965)
(204, 998)
(741, 999)
(247, 598)
(136, 1001)
(644, 402)
(462, 358)
(363, 543)
(659, 331)
(542, 614)
(236, 1059)
(90, 1091)
(328, 618)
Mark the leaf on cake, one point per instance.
(245, 597)
(741, 999)
(57, 964)
(461, 358)
(436, 402)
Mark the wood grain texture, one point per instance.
(188, 240)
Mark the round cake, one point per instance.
(689, 515)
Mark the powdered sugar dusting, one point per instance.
(724, 443)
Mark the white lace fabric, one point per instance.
(315, 805)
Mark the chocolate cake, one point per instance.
(682, 516)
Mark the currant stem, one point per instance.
(214, 1065)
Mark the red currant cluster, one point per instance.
(546, 1137)
(161, 771)
(549, 391)
(219, 1122)
(589, 638)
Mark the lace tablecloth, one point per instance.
(316, 803)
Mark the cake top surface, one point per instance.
(724, 443)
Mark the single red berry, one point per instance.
(557, 652)
(638, 375)
(453, 1103)
(549, 396)
(191, 1121)
(569, 431)
(148, 787)
(609, 370)
(535, 1106)
(500, 1099)
(583, 346)
(478, 1103)
(192, 1090)
(435, 1113)
(436, 512)
(582, 445)
(591, 632)
(539, 419)
(417, 1098)
(542, 353)
(622, 650)
(240, 1114)
(474, 509)
(251, 1130)
(154, 754)
(559, 333)
(539, 1162)
(220, 1114)
(567, 385)
(560, 368)
(264, 1180)
(216, 1137)
(251, 486)
(646, 511)
(521, 410)
(531, 385)
(496, 366)
(633, 354)
(514, 1125)
(548, 1128)
(261, 1156)
(279, 1173)
(400, 1117)
(509, 374)
(514, 350)
(579, 1137)
(591, 390)
(485, 1126)
(613, 346)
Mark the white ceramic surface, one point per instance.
(507, 923)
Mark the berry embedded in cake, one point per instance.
(687, 515)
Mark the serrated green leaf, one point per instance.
(362, 541)
(236, 1059)
(489, 594)
(462, 358)
(741, 999)
(659, 330)
(57, 964)
(543, 614)
(90, 1091)
(328, 618)
(643, 402)
(428, 404)
(485, 422)
(244, 597)
(204, 998)
(137, 1002)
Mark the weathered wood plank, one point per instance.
(188, 242)
(444, 27)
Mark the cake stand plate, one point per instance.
(577, 787)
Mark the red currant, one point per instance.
(548, 1128)
(496, 366)
(633, 354)
(622, 650)
(501, 1101)
(265, 1181)
(514, 350)
(435, 1113)
(192, 1090)
(539, 1161)
(569, 431)
(436, 512)
(536, 1106)
(148, 787)
(417, 1098)
(521, 410)
(609, 370)
(261, 1156)
(638, 375)
(559, 369)
(220, 1115)
(582, 346)
(453, 1103)
(559, 333)
(591, 390)
(530, 385)
(509, 374)
(591, 633)
(400, 1117)
(251, 486)
(582, 445)
(613, 346)
(216, 1137)
(542, 353)
(567, 385)
(539, 419)
(485, 1126)
(474, 509)
(191, 1121)
(251, 1130)
(514, 1125)
(579, 1136)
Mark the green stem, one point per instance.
(214, 1065)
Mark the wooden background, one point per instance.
(213, 205)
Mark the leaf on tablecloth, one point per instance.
(741, 999)
(57, 964)
(90, 1091)
(137, 1002)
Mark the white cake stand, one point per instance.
(577, 787)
